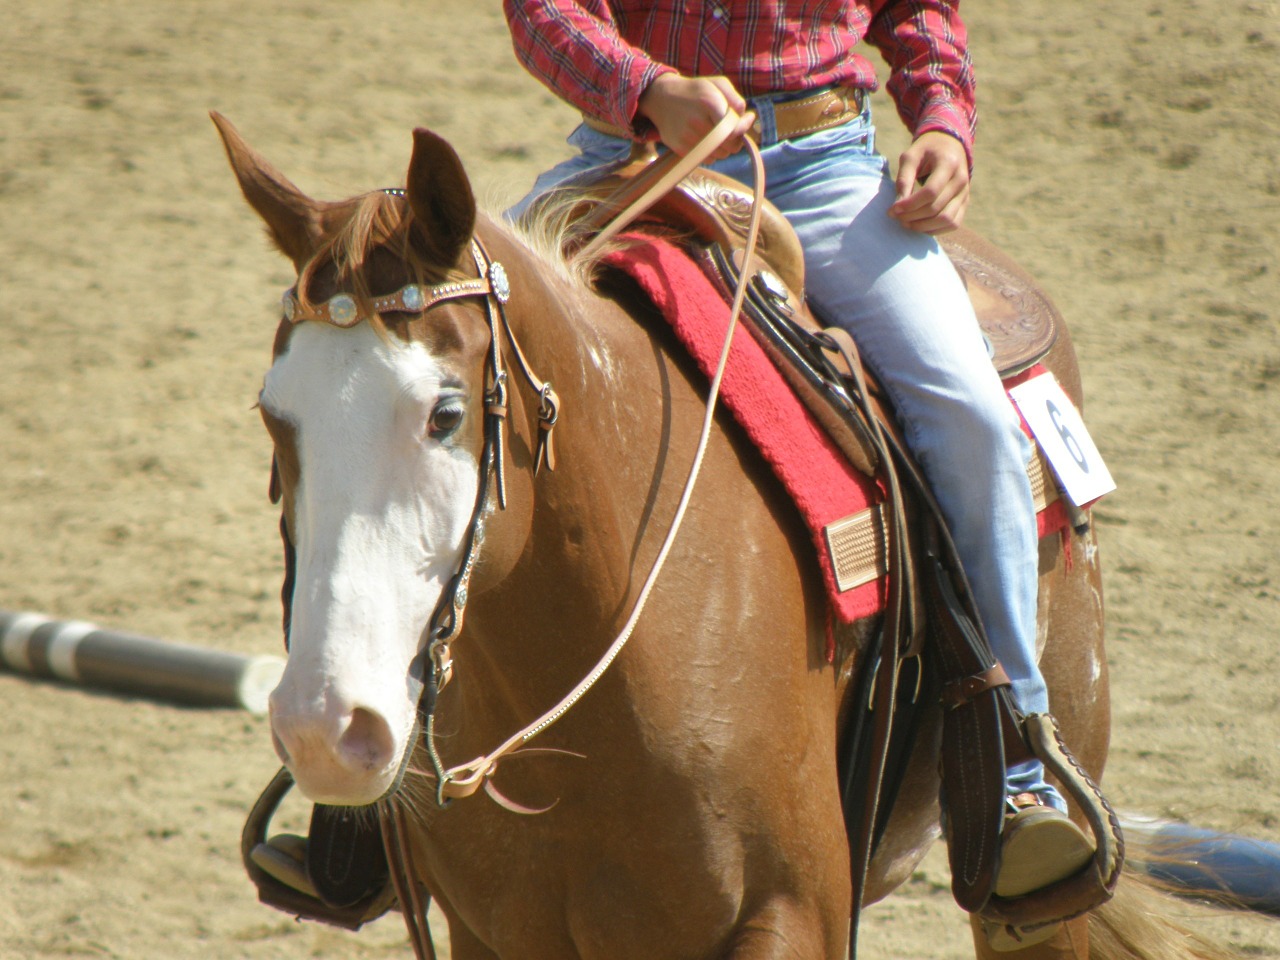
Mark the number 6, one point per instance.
(1073, 447)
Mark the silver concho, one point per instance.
(289, 305)
(342, 310)
(411, 297)
(498, 280)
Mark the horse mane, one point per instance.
(555, 223)
(552, 225)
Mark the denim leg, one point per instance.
(898, 295)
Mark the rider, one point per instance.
(792, 70)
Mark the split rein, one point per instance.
(465, 779)
(432, 667)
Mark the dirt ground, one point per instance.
(1127, 157)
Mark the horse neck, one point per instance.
(570, 535)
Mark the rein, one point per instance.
(465, 779)
(432, 667)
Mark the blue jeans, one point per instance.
(901, 300)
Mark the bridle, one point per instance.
(446, 620)
(465, 779)
(432, 666)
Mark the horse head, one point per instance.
(375, 407)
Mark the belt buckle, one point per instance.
(845, 100)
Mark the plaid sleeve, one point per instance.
(574, 48)
(931, 75)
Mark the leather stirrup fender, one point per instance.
(973, 758)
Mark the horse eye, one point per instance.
(445, 419)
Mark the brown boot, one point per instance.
(1039, 846)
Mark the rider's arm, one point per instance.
(931, 76)
(573, 47)
(931, 81)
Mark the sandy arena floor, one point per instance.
(1127, 157)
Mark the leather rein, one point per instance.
(465, 779)
(433, 666)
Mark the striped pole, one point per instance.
(1230, 870)
(84, 653)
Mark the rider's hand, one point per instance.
(933, 184)
(686, 109)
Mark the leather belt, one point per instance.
(829, 107)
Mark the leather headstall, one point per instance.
(446, 621)
(295, 881)
(491, 283)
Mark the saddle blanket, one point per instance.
(821, 482)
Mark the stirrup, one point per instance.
(277, 867)
(1025, 909)
(1039, 847)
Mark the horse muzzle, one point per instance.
(339, 750)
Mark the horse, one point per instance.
(686, 805)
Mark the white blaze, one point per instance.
(379, 516)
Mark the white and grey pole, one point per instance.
(84, 653)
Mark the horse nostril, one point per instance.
(281, 750)
(367, 742)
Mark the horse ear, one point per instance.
(294, 220)
(444, 208)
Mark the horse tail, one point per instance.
(1145, 921)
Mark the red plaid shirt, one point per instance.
(600, 55)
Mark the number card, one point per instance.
(1066, 443)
